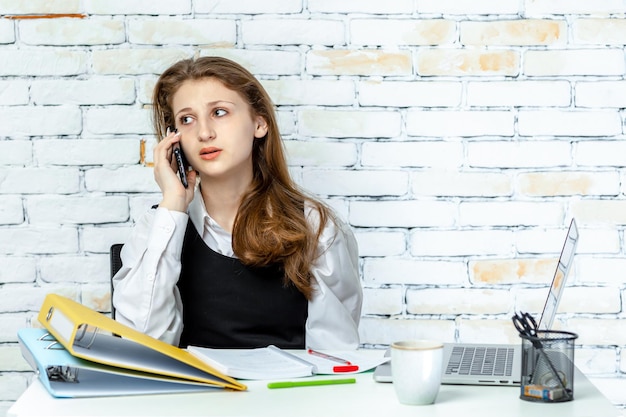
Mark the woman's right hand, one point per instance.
(175, 195)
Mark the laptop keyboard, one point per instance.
(481, 361)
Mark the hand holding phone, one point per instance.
(169, 163)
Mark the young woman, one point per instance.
(240, 258)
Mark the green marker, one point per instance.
(315, 382)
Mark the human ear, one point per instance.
(261, 127)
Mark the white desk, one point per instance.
(365, 398)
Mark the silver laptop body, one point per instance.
(492, 364)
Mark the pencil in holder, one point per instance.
(548, 366)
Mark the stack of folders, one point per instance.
(82, 353)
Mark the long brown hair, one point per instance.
(270, 227)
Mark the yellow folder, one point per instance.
(89, 335)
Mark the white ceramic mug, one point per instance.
(416, 367)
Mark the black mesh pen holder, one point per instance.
(548, 366)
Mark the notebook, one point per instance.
(493, 364)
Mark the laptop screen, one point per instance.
(560, 277)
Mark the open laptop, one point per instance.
(492, 364)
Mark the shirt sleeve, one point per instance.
(145, 294)
(335, 309)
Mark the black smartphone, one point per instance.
(181, 163)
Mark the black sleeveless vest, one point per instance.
(229, 305)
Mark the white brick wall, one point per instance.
(457, 138)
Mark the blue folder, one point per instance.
(66, 376)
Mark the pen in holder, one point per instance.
(547, 362)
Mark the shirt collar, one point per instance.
(200, 216)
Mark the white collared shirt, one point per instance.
(146, 297)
